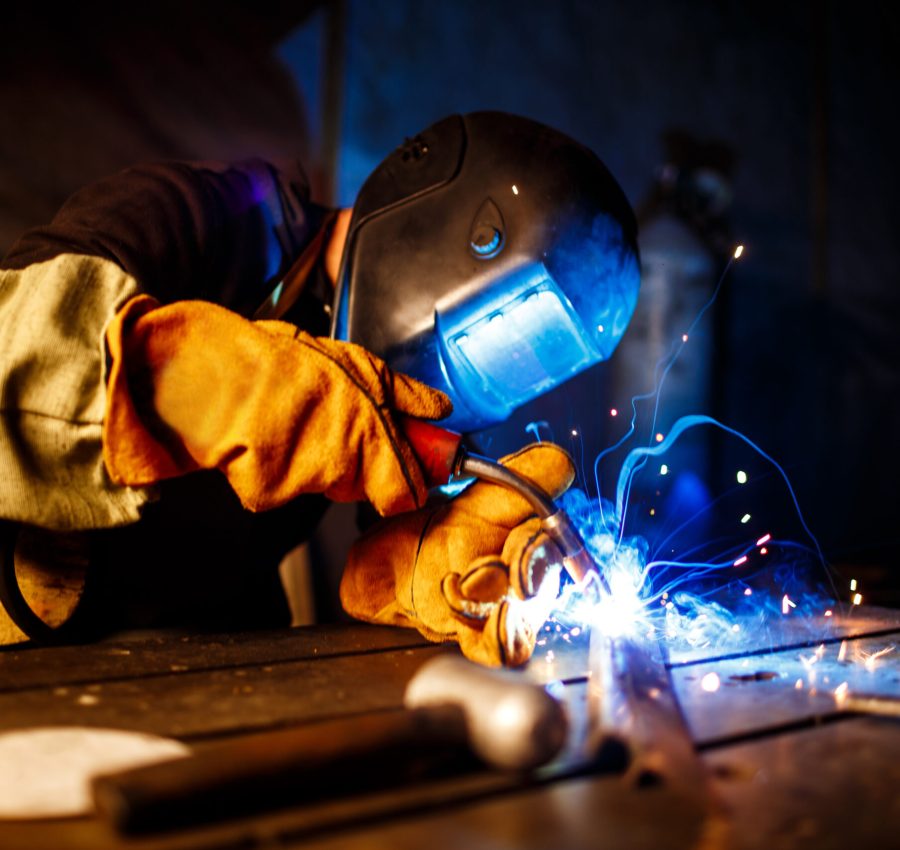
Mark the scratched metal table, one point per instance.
(787, 768)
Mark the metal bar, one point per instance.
(885, 705)
(631, 697)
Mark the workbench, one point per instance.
(786, 767)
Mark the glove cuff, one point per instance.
(133, 456)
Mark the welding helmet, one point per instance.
(491, 257)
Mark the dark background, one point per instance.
(795, 103)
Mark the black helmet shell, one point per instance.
(491, 257)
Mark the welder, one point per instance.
(195, 358)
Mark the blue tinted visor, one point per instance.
(512, 352)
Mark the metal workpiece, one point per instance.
(886, 705)
(631, 699)
(512, 723)
(632, 706)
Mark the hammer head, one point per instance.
(512, 723)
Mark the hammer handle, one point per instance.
(279, 768)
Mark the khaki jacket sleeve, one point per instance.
(53, 317)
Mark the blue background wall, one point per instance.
(811, 354)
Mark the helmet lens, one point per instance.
(528, 345)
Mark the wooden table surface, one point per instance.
(786, 767)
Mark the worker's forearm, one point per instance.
(215, 231)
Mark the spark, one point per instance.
(684, 337)
(870, 660)
(808, 662)
(840, 693)
(600, 329)
(515, 189)
(857, 599)
(799, 684)
(763, 551)
(820, 651)
(853, 584)
(665, 364)
(635, 459)
(626, 560)
(842, 652)
(574, 433)
(828, 613)
(710, 682)
(738, 251)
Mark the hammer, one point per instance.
(450, 704)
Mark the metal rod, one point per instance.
(887, 705)
(632, 702)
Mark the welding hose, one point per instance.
(444, 458)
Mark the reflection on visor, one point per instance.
(521, 350)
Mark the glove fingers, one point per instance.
(544, 464)
(387, 473)
(417, 399)
(506, 639)
(393, 477)
(476, 593)
(532, 558)
(401, 392)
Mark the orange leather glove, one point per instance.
(280, 413)
(459, 571)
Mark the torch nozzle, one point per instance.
(577, 561)
(443, 457)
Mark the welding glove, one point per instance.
(462, 570)
(194, 386)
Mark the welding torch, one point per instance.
(445, 458)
